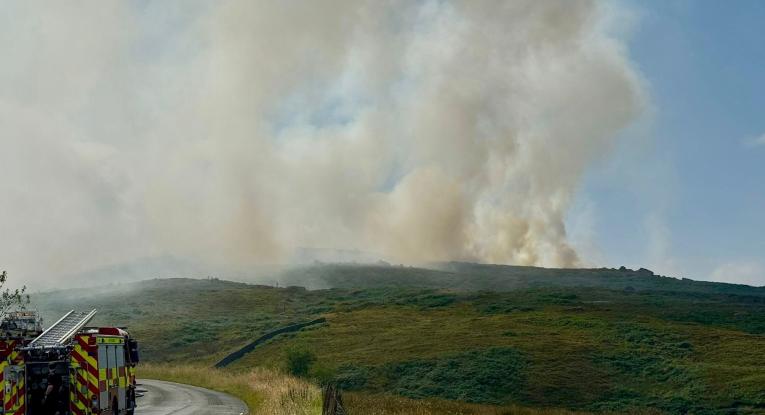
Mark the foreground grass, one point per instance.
(269, 392)
(266, 392)
(374, 404)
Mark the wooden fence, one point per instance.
(333, 401)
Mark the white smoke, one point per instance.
(236, 132)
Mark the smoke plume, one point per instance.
(237, 132)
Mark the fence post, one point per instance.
(333, 401)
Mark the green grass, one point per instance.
(494, 376)
(359, 403)
(586, 340)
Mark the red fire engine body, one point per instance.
(68, 368)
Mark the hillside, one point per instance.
(478, 277)
(591, 340)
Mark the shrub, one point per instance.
(322, 374)
(481, 376)
(352, 377)
(299, 361)
(429, 300)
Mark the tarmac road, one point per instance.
(168, 398)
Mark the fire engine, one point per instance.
(69, 368)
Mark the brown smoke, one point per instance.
(420, 131)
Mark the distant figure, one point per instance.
(52, 397)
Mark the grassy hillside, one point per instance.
(477, 277)
(586, 340)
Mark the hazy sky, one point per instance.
(685, 192)
(558, 133)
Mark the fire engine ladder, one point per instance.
(63, 329)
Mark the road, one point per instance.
(168, 398)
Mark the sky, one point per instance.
(234, 134)
(684, 194)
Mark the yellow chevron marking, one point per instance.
(91, 360)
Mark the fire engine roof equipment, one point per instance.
(61, 331)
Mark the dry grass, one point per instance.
(266, 392)
(284, 394)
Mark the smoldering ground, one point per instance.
(237, 132)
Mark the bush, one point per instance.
(429, 300)
(321, 374)
(299, 361)
(351, 377)
(493, 376)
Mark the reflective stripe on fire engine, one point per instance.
(14, 400)
(110, 340)
(87, 378)
(14, 393)
(113, 377)
(77, 400)
(5, 396)
(103, 388)
(86, 375)
(7, 357)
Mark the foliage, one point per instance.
(359, 403)
(10, 299)
(429, 300)
(493, 376)
(299, 361)
(352, 377)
